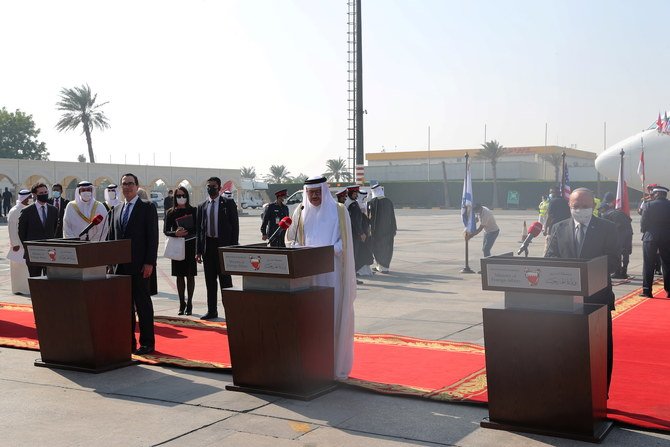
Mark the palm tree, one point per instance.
(249, 173)
(300, 178)
(278, 174)
(79, 106)
(337, 169)
(556, 160)
(492, 151)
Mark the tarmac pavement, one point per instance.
(425, 296)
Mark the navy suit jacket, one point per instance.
(655, 224)
(30, 224)
(601, 239)
(142, 230)
(228, 228)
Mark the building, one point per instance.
(518, 163)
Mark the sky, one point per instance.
(227, 84)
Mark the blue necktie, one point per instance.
(126, 213)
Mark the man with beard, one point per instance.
(321, 221)
(382, 228)
(17, 265)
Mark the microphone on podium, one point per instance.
(533, 231)
(283, 225)
(96, 220)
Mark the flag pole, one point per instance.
(467, 268)
(563, 174)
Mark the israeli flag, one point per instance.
(466, 204)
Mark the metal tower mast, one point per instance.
(355, 90)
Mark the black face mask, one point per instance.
(42, 197)
(212, 190)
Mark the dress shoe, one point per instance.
(646, 295)
(181, 312)
(209, 316)
(359, 282)
(144, 350)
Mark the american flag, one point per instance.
(566, 184)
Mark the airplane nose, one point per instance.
(607, 163)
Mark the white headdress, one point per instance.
(84, 207)
(23, 194)
(115, 201)
(377, 191)
(320, 222)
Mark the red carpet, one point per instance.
(440, 370)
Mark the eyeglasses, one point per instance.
(180, 196)
(128, 184)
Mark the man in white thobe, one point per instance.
(321, 221)
(81, 211)
(111, 196)
(17, 265)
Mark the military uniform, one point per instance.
(656, 239)
(273, 214)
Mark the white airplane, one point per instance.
(656, 158)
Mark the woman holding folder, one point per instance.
(180, 222)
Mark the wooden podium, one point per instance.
(280, 326)
(546, 351)
(83, 315)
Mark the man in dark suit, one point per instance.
(586, 236)
(137, 220)
(218, 226)
(655, 227)
(59, 202)
(38, 221)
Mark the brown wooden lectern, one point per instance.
(83, 315)
(546, 351)
(280, 327)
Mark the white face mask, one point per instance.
(85, 195)
(181, 200)
(582, 215)
(112, 195)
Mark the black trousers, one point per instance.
(213, 274)
(144, 307)
(649, 256)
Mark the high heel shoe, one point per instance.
(182, 306)
(189, 307)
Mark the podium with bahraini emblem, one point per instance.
(82, 314)
(546, 351)
(280, 326)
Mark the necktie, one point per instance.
(579, 237)
(212, 223)
(126, 213)
(43, 215)
(57, 203)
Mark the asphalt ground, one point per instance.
(425, 296)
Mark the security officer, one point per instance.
(274, 213)
(656, 239)
(542, 207)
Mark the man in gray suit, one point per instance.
(585, 236)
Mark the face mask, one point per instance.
(582, 215)
(212, 190)
(181, 200)
(551, 196)
(112, 195)
(56, 194)
(42, 197)
(85, 195)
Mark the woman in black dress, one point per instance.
(180, 222)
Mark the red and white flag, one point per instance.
(659, 123)
(622, 192)
(640, 165)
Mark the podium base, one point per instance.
(600, 430)
(105, 368)
(309, 395)
(467, 270)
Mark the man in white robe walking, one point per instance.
(321, 221)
